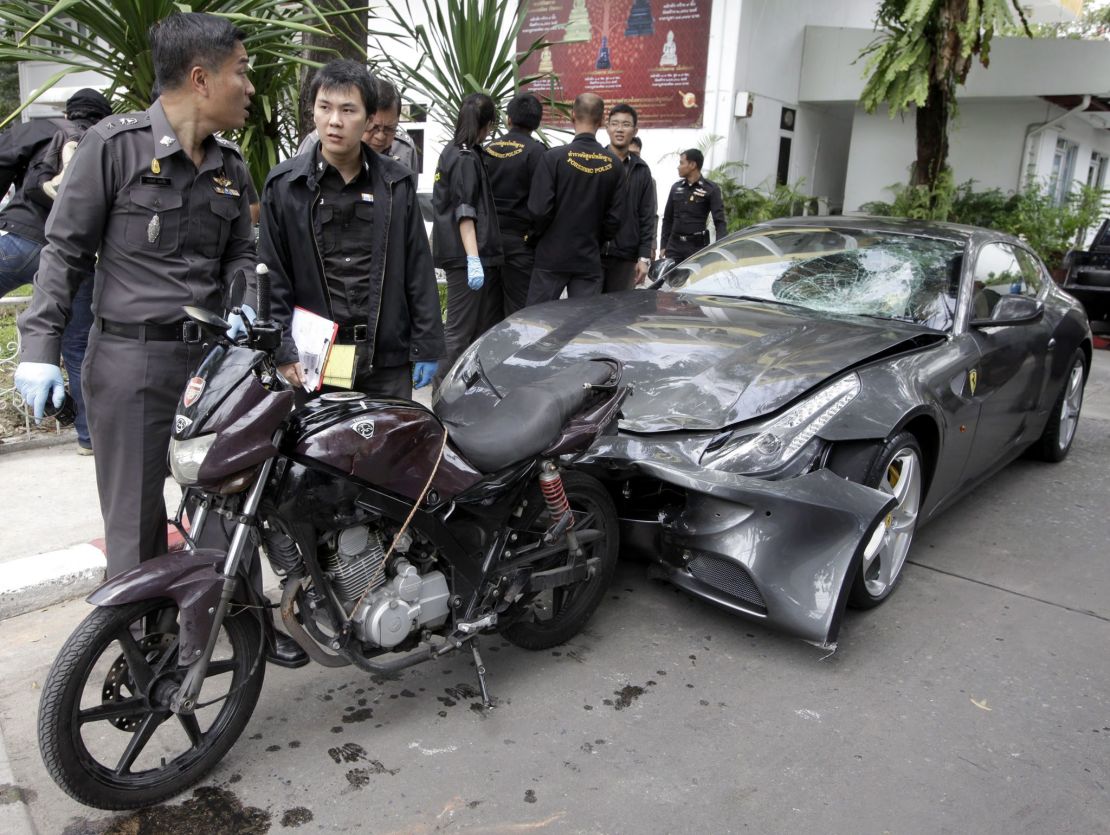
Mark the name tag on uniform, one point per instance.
(367, 198)
(148, 180)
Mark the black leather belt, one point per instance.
(187, 331)
(696, 236)
(351, 333)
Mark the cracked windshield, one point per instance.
(877, 274)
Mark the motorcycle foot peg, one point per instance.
(481, 668)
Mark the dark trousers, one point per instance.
(131, 390)
(548, 285)
(19, 261)
(681, 250)
(470, 313)
(516, 272)
(619, 274)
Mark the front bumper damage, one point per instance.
(783, 552)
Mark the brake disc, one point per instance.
(118, 684)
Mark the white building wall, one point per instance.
(985, 144)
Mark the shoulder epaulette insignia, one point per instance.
(119, 124)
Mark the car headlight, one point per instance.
(770, 447)
(187, 456)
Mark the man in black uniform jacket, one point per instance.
(577, 202)
(625, 258)
(691, 200)
(511, 162)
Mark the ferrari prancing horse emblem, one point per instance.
(972, 380)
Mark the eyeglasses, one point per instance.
(384, 130)
(619, 125)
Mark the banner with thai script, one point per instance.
(651, 54)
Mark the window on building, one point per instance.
(1096, 171)
(1063, 170)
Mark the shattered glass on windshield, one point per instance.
(849, 272)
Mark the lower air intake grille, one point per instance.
(726, 576)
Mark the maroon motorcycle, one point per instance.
(397, 539)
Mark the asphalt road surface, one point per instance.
(977, 699)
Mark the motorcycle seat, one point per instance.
(528, 419)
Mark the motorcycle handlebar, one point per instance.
(262, 272)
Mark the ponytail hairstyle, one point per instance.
(476, 113)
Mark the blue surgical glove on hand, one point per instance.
(36, 381)
(238, 326)
(475, 275)
(423, 372)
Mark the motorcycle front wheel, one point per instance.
(553, 617)
(106, 732)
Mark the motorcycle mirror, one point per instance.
(659, 270)
(206, 318)
(236, 289)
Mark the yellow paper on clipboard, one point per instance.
(339, 370)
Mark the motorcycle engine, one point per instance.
(400, 599)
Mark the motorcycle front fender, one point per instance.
(192, 579)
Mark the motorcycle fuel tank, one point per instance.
(389, 444)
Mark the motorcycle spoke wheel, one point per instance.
(106, 731)
(554, 616)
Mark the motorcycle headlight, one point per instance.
(773, 445)
(187, 456)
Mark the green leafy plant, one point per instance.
(745, 206)
(110, 38)
(925, 50)
(466, 46)
(1051, 229)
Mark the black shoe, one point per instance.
(285, 652)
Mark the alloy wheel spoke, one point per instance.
(137, 665)
(906, 478)
(138, 742)
(192, 727)
(217, 668)
(113, 710)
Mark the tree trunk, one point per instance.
(932, 137)
(354, 25)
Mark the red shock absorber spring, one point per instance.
(551, 484)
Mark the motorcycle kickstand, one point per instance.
(486, 702)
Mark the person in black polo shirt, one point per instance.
(625, 258)
(577, 202)
(511, 162)
(689, 204)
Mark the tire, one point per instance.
(67, 729)
(895, 466)
(1055, 442)
(545, 620)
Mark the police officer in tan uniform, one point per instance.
(160, 205)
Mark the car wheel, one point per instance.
(1055, 442)
(894, 467)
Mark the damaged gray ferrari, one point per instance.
(808, 393)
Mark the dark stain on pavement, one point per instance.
(297, 816)
(530, 796)
(360, 777)
(359, 715)
(351, 752)
(626, 696)
(209, 810)
(16, 794)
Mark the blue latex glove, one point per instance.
(238, 326)
(36, 381)
(423, 372)
(475, 275)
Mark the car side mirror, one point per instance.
(659, 270)
(1012, 310)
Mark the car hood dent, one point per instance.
(696, 362)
